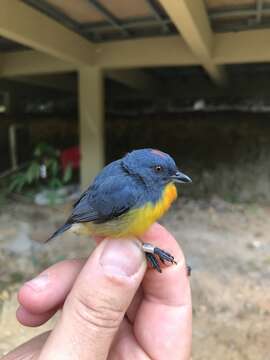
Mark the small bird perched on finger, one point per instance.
(126, 198)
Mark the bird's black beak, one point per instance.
(180, 177)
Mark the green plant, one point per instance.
(43, 171)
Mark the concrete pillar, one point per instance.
(91, 103)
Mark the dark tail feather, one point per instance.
(59, 231)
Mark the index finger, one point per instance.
(163, 321)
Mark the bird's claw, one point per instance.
(164, 256)
(154, 253)
(153, 261)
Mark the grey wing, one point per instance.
(110, 199)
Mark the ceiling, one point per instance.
(102, 20)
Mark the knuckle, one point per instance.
(98, 314)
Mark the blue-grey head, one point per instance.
(153, 167)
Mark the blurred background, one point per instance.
(82, 82)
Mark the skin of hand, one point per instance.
(112, 308)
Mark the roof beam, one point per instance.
(157, 51)
(125, 54)
(230, 48)
(31, 62)
(25, 25)
(242, 47)
(191, 19)
(163, 51)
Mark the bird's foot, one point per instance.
(153, 253)
(153, 261)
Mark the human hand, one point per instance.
(111, 307)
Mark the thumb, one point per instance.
(97, 303)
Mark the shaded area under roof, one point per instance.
(8, 45)
(101, 20)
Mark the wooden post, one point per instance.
(91, 101)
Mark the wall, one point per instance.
(59, 131)
(226, 154)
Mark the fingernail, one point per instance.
(39, 283)
(122, 257)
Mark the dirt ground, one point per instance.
(227, 245)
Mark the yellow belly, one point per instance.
(133, 223)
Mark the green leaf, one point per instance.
(18, 182)
(44, 149)
(36, 170)
(32, 172)
(55, 183)
(54, 168)
(67, 174)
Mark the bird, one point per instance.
(126, 198)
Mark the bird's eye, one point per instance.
(158, 168)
